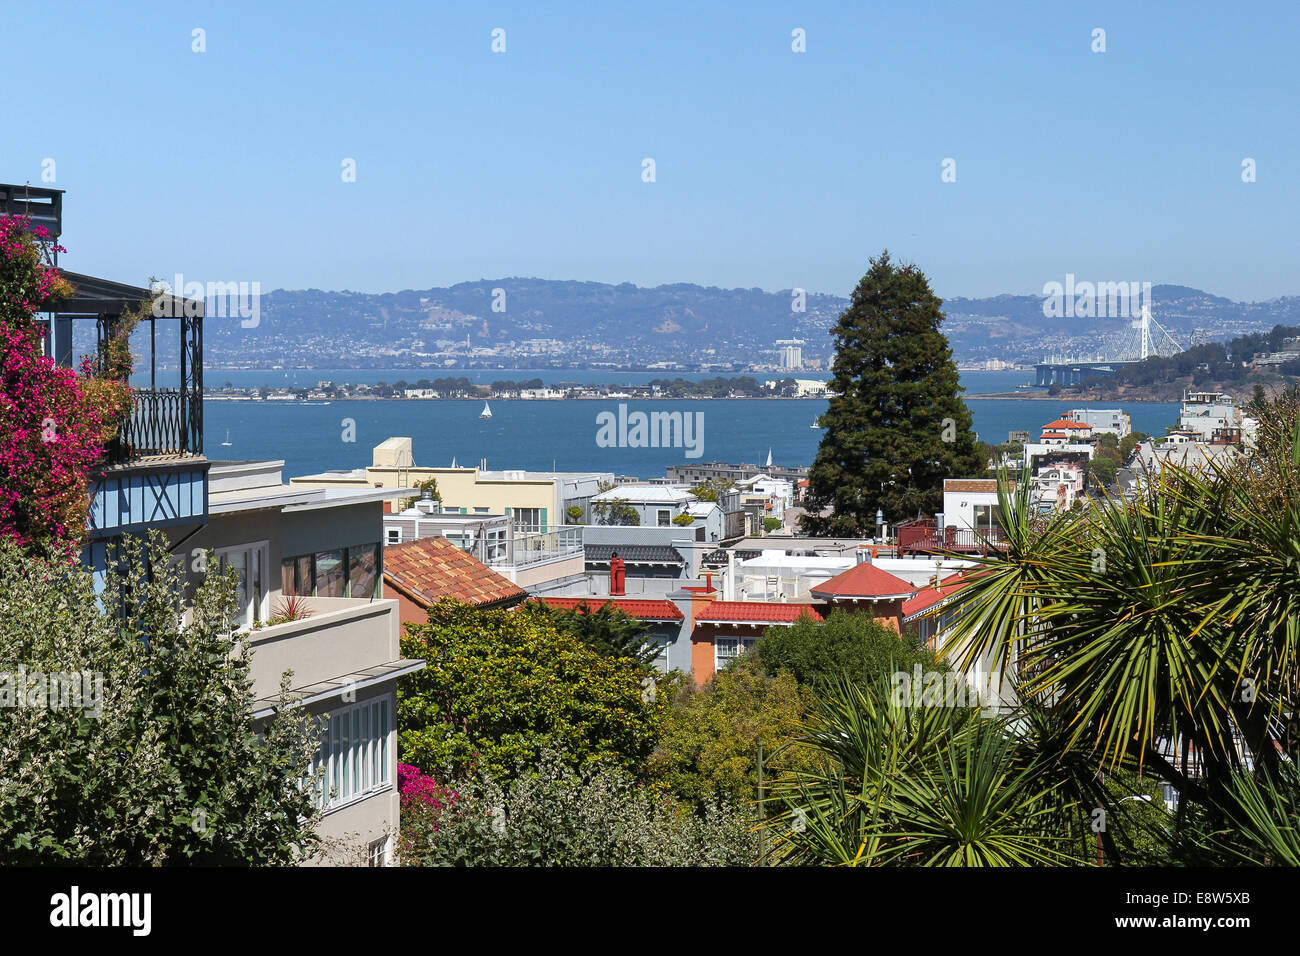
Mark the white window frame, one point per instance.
(531, 526)
(356, 768)
(392, 535)
(379, 852)
(743, 644)
(664, 517)
(255, 609)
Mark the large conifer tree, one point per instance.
(896, 426)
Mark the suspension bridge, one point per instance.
(1144, 338)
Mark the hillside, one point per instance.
(540, 323)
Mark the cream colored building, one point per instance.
(537, 500)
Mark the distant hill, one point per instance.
(540, 323)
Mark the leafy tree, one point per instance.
(772, 524)
(557, 816)
(605, 629)
(709, 744)
(1130, 442)
(160, 764)
(616, 511)
(712, 489)
(501, 687)
(847, 644)
(895, 426)
(430, 485)
(1103, 469)
(574, 514)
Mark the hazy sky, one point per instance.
(773, 168)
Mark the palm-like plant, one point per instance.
(899, 783)
(1174, 617)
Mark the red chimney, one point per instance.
(617, 574)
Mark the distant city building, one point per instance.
(695, 472)
(790, 353)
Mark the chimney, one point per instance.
(864, 556)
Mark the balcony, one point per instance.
(924, 537)
(344, 642)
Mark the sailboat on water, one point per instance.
(487, 411)
(227, 443)
(769, 459)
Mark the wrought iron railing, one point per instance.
(165, 422)
(925, 537)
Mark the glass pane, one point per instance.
(239, 561)
(329, 574)
(256, 590)
(362, 565)
(303, 578)
(345, 757)
(383, 724)
(358, 750)
(286, 577)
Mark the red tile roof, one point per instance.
(430, 569)
(864, 580)
(930, 597)
(640, 609)
(756, 612)
(1066, 423)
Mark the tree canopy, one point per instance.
(896, 425)
(502, 687)
(147, 754)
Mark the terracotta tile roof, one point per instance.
(970, 484)
(638, 608)
(759, 612)
(433, 568)
(864, 580)
(1066, 423)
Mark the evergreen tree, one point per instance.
(896, 426)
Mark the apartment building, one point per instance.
(324, 546)
(535, 500)
(321, 544)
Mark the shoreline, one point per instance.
(1044, 397)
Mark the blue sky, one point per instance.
(774, 169)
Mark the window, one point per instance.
(394, 535)
(353, 759)
(496, 546)
(363, 565)
(727, 649)
(250, 562)
(661, 659)
(665, 517)
(528, 519)
(482, 511)
(377, 853)
(329, 574)
(345, 572)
